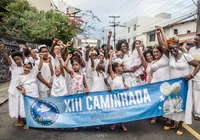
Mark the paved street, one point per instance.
(140, 130)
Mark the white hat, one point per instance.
(42, 46)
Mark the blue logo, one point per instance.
(44, 112)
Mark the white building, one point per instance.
(62, 6)
(46, 5)
(185, 31)
(85, 41)
(143, 28)
(135, 27)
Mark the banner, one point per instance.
(98, 108)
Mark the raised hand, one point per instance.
(109, 34)
(68, 44)
(69, 56)
(55, 40)
(59, 57)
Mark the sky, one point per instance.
(128, 9)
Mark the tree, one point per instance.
(25, 22)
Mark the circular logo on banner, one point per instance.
(44, 112)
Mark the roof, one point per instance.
(178, 23)
(173, 24)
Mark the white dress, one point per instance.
(160, 69)
(14, 93)
(195, 53)
(117, 83)
(59, 87)
(29, 83)
(46, 74)
(98, 81)
(130, 78)
(178, 69)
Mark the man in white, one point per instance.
(195, 52)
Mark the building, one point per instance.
(135, 27)
(87, 40)
(185, 31)
(143, 28)
(46, 5)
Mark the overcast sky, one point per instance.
(128, 9)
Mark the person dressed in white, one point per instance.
(100, 82)
(195, 52)
(131, 78)
(45, 73)
(118, 82)
(59, 87)
(180, 67)
(159, 66)
(16, 68)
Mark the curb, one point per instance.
(3, 102)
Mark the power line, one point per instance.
(124, 5)
(132, 7)
(114, 24)
(168, 9)
(184, 16)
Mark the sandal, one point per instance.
(76, 129)
(168, 127)
(97, 127)
(124, 128)
(21, 124)
(153, 121)
(26, 127)
(197, 118)
(179, 133)
(17, 123)
(112, 127)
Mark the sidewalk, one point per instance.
(4, 92)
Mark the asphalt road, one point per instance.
(138, 130)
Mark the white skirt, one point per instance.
(185, 116)
(16, 106)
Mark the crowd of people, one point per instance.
(54, 72)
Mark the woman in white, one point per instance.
(180, 67)
(129, 67)
(195, 52)
(160, 65)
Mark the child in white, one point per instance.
(45, 74)
(100, 82)
(59, 87)
(115, 70)
(16, 68)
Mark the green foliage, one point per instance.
(27, 23)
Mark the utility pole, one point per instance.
(198, 17)
(115, 24)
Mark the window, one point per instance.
(188, 31)
(152, 37)
(129, 29)
(129, 40)
(134, 27)
(175, 31)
